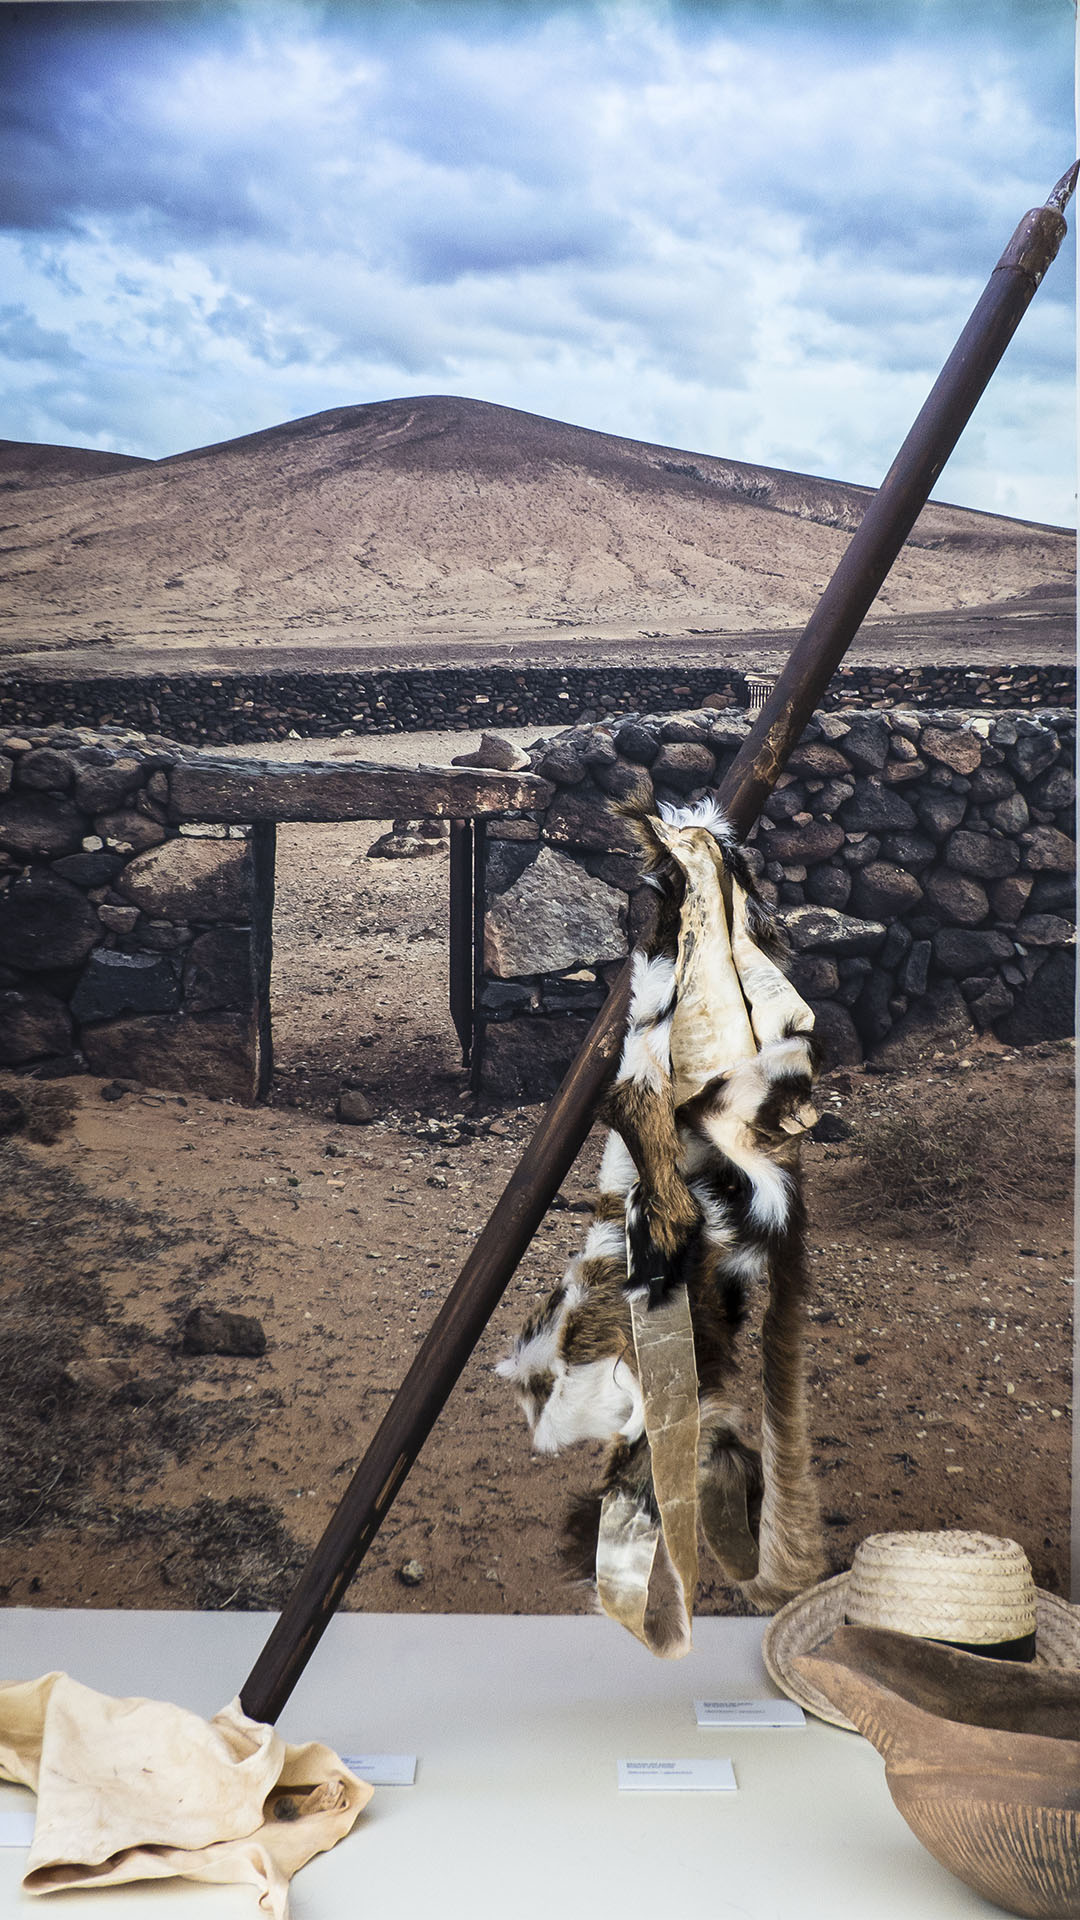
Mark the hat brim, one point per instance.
(811, 1617)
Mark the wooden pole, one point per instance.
(558, 1138)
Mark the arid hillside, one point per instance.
(455, 522)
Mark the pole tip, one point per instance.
(1063, 192)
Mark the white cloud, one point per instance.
(751, 230)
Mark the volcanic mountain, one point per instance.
(452, 524)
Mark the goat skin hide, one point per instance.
(698, 1198)
(143, 1790)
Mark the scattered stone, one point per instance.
(115, 1090)
(216, 1330)
(355, 1107)
(496, 752)
(411, 1574)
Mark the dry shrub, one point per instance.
(39, 1109)
(957, 1170)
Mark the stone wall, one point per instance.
(922, 862)
(206, 709)
(128, 945)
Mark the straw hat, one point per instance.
(971, 1589)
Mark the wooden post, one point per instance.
(558, 1138)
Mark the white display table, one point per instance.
(518, 1725)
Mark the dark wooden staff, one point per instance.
(558, 1138)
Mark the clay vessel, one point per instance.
(982, 1758)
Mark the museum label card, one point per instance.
(16, 1826)
(677, 1776)
(383, 1769)
(749, 1713)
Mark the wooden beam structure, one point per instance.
(241, 791)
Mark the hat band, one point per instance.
(1022, 1648)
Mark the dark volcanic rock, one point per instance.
(40, 825)
(836, 1034)
(805, 845)
(684, 765)
(578, 819)
(987, 856)
(1045, 1009)
(45, 924)
(45, 769)
(820, 930)
(959, 950)
(882, 891)
(958, 899)
(876, 809)
(637, 743)
(115, 983)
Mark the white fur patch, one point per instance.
(617, 1170)
(605, 1240)
(539, 1351)
(704, 813)
(590, 1402)
(646, 1056)
(652, 983)
(747, 1263)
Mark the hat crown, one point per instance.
(968, 1587)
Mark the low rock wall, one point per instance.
(208, 709)
(922, 863)
(128, 945)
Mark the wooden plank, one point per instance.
(234, 791)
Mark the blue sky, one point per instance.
(753, 230)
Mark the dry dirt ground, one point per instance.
(139, 1475)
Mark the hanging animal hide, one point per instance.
(698, 1199)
